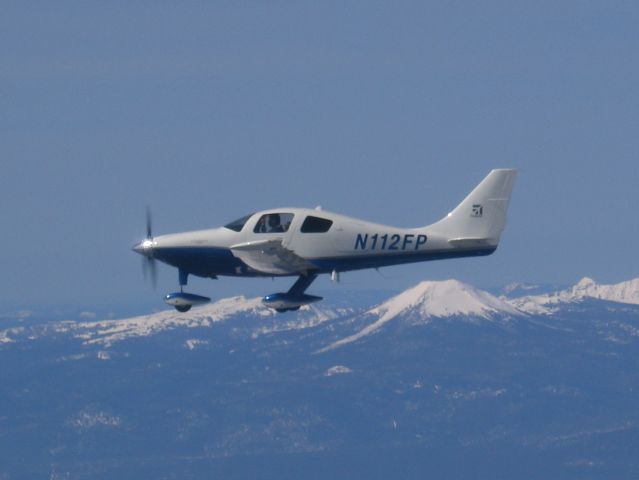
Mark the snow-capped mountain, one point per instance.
(448, 298)
(546, 304)
(422, 303)
(434, 299)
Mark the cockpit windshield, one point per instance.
(238, 225)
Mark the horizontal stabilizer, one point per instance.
(469, 242)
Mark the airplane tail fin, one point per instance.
(480, 218)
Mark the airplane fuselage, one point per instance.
(349, 244)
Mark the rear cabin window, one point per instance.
(238, 225)
(273, 223)
(316, 225)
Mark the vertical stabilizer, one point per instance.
(481, 217)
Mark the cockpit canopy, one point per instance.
(273, 223)
(279, 222)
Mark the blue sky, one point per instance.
(387, 111)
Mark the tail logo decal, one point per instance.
(478, 210)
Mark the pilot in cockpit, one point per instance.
(274, 223)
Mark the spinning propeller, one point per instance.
(145, 248)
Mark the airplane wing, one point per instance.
(270, 256)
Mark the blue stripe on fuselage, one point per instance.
(343, 264)
(208, 261)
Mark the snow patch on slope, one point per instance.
(90, 419)
(308, 316)
(193, 343)
(4, 334)
(337, 370)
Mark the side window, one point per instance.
(273, 223)
(316, 225)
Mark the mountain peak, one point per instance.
(434, 299)
(624, 292)
(445, 298)
(585, 283)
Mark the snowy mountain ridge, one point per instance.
(422, 303)
(107, 332)
(546, 304)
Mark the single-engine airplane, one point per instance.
(305, 243)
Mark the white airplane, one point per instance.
(307, 242)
